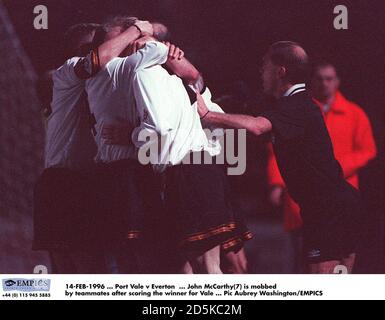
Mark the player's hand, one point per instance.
(117, 134)
(145, 27)
(140, 43)
(174, 52)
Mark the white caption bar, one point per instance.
(192, 287)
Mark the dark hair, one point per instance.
(321, 63)
(291, 56)
(74, 39)
(122, 21)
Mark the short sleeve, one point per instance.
(213, 107)
(287, 119)
(65, 77)
(77, 69)
(88, 66)
(199, 85)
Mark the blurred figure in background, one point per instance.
(347, 123)
(352, 139)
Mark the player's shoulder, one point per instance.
(65, 70)
(114, 63)
(115, 68)
(157, 72)
(298, 102)
(71, 62)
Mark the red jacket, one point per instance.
(353, 143)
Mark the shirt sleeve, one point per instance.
(199, 85)
(88, 66)
(207, 97)
(211, 106)
(77, 69)
(65, 77)
(287, 119)
(153, 53)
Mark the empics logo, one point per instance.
(9, 283)
(26, 285)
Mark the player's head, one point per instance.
(79, 38)
(285, 62)
(324, 80)
(117, 25)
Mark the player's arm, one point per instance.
(89, 66)
(256, 125)
(144, 53)
(115, 46)
(180, 66)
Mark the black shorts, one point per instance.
(198, 202)
(239, 236)
(103, 206)
(128, 196)
(63, 210)
(332, 245)
(337, 236)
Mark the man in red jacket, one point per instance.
(350, 132)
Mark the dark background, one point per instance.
(227, 39)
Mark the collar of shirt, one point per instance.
(299, 87)
(337, 106)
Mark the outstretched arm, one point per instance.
(256, 125)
